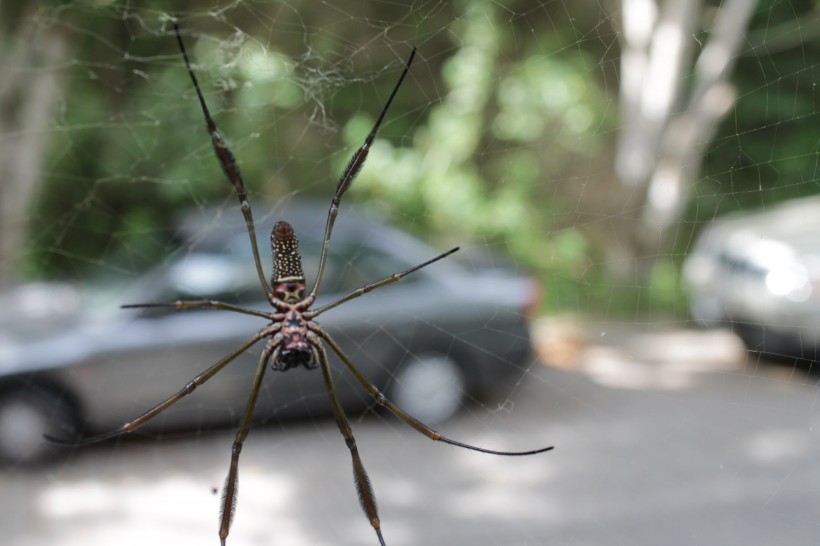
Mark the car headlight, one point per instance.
(789, 280)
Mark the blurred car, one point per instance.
(759, 272)
(72, 362)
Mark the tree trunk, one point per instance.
(30, 58)
(665, 129)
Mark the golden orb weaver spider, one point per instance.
(293, 337)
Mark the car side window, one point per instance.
(356, 266)
(232, 278)
(220, 276)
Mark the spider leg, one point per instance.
(401, 414)
(229, 491)
(353, 168)
(162, 406)
(363, 486)
(228, 163)
(200, 304)
(372, 286)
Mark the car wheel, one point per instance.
(25, 417)
(430, 387)
(760, 340)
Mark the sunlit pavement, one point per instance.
(662, 435)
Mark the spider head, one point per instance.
(288, 280)
(296, 352)
(293, 359)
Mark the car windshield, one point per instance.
(231, 277)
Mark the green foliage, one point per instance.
(476, 166)
(495, 184)
(768, 151)
(503, 129)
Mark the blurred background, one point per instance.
(633, 185)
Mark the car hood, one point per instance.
(45, 324)
(795, 223)
(30, 310)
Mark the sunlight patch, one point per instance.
(775, 446)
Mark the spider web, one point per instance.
(504, 140)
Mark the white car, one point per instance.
(759, 272)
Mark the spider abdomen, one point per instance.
(288, 280)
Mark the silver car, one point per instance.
(759, 272)
(72, 362)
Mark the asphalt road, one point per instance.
(669, 437)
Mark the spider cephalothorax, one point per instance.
(293, 337)
(295, 348)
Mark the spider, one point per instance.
(293, 337)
